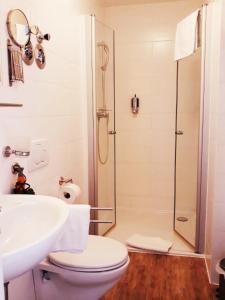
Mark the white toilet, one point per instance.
(82, 276)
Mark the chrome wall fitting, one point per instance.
(101, 221)
(7, 152)
(102, 208)
(63, 180)
(103, 113)
(34, 29)
(41, 37)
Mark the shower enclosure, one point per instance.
(189, 209)
(145, 164)
(187, 145)
(101, 118)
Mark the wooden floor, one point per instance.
(163, 277)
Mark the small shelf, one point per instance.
(2, 104)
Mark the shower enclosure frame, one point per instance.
(92, 123)
(202, 167)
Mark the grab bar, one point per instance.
(101, 208)
(101, 222)
(63, 180)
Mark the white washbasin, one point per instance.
(30, 224)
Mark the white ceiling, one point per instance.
(127, 2)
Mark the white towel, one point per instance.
(186, 41)
(75, 235)
(149, 243)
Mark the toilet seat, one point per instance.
(102, 254)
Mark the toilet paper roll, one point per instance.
(69, 192)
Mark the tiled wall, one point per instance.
(215, 92)
(53, 102)
(144, 37)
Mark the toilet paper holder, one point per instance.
(63, 180)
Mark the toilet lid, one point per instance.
(101, 254)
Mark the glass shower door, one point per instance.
(187, 146)
(105, 127)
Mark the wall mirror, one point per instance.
(18, 27)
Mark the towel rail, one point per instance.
(102, 208)
(101, 222)
(10, 104)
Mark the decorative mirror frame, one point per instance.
(9, 29)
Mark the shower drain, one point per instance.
(182, 219)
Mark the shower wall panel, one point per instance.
(144, 48)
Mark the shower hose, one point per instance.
(103, 160)
(103, 114)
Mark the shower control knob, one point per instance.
(112, 132)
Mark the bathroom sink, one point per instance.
(30, 224)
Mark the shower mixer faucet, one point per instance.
(102, 113)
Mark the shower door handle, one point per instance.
(179, 132)
(112, 132)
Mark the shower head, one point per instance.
(105, 48)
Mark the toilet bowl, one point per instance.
(82, 276)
